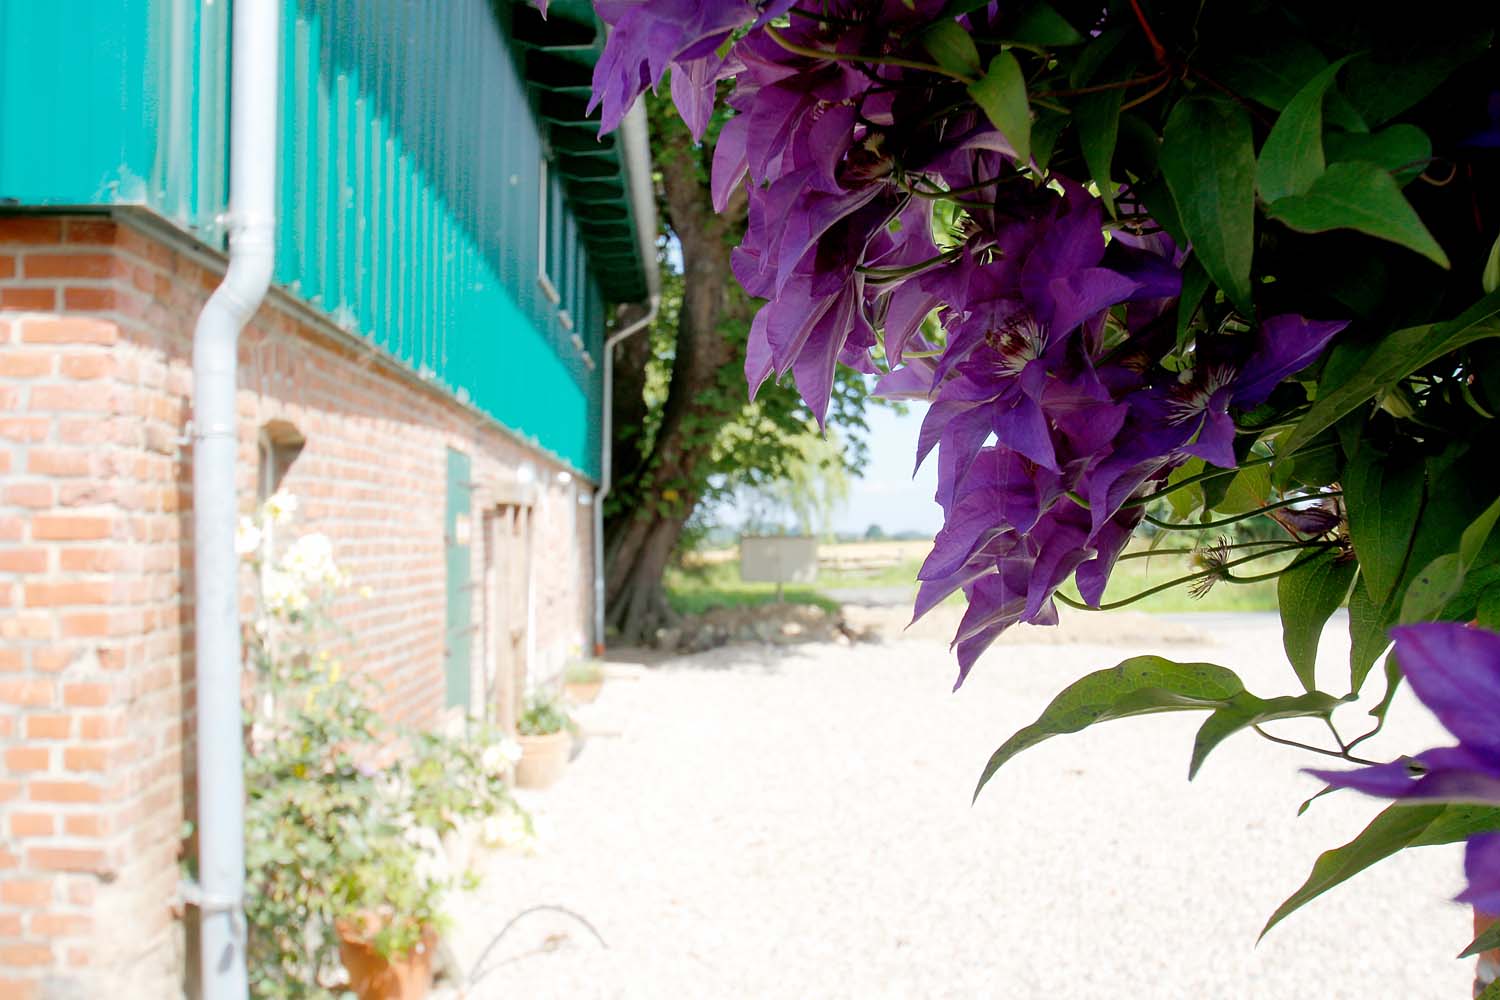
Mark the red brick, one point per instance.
(31, 825)
(88, 560)
(67, 859)
(85, 825)
(9, 790)
(27, 758)
(52, 925)
(90, 299)
(10, 927)
(64, 791)
(35, 495)
(48, 727)
(69, 330)
(30, 229)
(69, 398)
(24, 428)
(69, 528)
(51, 660)
(99, 727)
(23, 560)
(94, 365)
(27, 692)
(37, 625)
(25, 954)
(26, 892)
(89, 231)
(81, 892)
(88, 695)
(19, 989)
(25, 364)
(57, 462)
(11, 660)
(70, 594)
(86, 625)
(7, 266)
(30, 299)
(85, 758)
(68, 265)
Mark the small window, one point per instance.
(280, 444)
(544, 233)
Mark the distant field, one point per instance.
(712, 579)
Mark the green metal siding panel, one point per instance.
(115, 103)
(410, 188)
(411, 196)
(458, 637)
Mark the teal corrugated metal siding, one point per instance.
(411, 194)
(410, 187)
(118, 102)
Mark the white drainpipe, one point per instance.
(221, 772)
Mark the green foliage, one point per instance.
(1396, 828)
(1208, 158)
(1001, 94)
(1360, 196)
(344, 817)
(1309, 592)
(543, 715)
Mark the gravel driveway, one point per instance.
(795, 822)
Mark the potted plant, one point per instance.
(545, 738)
(582, 680)
(347, 868)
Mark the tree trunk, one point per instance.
(656, 488)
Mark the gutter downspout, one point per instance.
(220, 892)
(606, 462)
(636, 149)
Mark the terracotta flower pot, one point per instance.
(582, 692)
(543, 759)
(372, 976)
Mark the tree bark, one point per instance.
(656, 489)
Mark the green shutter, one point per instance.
(458, 639)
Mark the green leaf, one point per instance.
(1398, 827)
(1208, 159)
(1274, 68)
(1142, 685)
(1491, 992)
(1247, 491)
(1367, 634)
(1441, 579)
(1490, 279)
(1245, 710)
(1292, 157)
(1487, 939)
(1363, 197)
(1384, 501)
(1487, 608)
(1098, 118)
(1383, 84)
(1189, 498)
(1459, 822)
(1309, 593)
(1394, 358)
(1041, 24)
(953, 48)
(1001, 92)
(1194, 284)
(1401, 149)
(1045, 131)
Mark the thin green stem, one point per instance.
(1225, 522)
(1187, 552)
(854, 57)
(1343, 754)
(1219, 571)
(896, 273)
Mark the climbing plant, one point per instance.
(1156, 267)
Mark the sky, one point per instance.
(887, 494)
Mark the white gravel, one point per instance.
(759, 822)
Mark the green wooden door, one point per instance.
(458, 640)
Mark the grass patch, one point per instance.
(693, 592)
(718, 585)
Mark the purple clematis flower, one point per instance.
(650, 35)
(1455, 670)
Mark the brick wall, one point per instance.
(96, 674)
